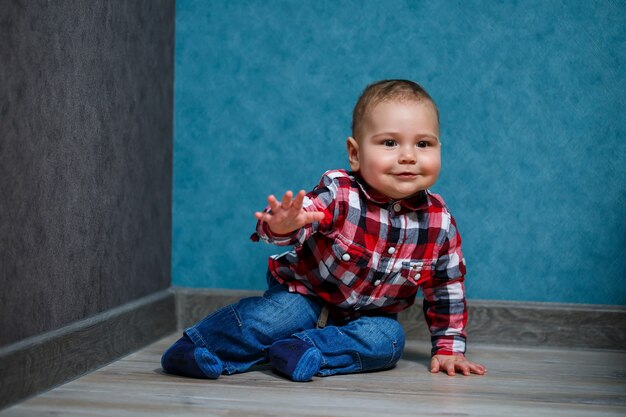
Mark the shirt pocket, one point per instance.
(417, 271)
(347, 262)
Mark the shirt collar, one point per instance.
(417, 201)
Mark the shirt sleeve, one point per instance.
(323, 199)
(445, 309)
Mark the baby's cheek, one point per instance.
(430, 164)
(374, 167)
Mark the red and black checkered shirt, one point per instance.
(372, 253)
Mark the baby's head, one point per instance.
(395, 138)
(388, 90)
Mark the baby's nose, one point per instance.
(407, 156)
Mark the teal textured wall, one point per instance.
(532, 100)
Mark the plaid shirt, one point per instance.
(370, 253)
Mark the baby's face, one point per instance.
(398, 151)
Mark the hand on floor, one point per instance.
(452, 363)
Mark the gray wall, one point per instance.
(86, 93)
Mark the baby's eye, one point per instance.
(422, 144)
(389, 143)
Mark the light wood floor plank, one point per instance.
(521, 382)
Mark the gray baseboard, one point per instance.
(39, 363)
(193, 304)
(491, 322)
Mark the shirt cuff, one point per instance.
(448, 345)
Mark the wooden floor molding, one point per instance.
(39, 363)
(492, 322)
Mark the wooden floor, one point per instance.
(521, 382)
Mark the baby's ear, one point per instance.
(353, 153)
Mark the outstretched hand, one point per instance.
(452, 363)
(287, 215)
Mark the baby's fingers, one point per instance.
(477, 369)
(273, 203)
(287, 200)
(298, 200)
(450, 368)
(464, 368)
(262, 216)
(313, 216)
(434, 365)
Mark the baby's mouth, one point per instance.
(406, 175)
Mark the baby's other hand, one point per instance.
(452, 363)
(288, 215)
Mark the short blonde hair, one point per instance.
(387, 90)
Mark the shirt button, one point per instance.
(377, 282)
(345, 257)
(397, 207)
(391, 250)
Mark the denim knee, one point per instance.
(365, 344)
(390, 341)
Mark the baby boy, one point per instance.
(363, 242)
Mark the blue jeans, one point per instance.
(241, 333)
